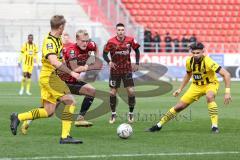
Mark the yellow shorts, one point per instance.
(27, 68)
(194, 92)
(52, 88)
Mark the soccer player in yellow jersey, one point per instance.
(29, 52)
(53, 89)
(203, 71)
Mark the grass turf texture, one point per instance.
(190, 133)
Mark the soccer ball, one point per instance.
(124, 131)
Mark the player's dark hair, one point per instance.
(30, 35)
(120, 25)
(56, 21)
(196, 46)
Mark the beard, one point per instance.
(198, 59)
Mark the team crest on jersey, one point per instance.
(128, 45)
(72, 52)
(30, 52)
(49, 46)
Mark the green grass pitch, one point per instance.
(187, 137)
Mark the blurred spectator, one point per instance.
(185, 42)
(147, 40)
(157, 41)
(193, 39)
(168, 43)
(176, 45)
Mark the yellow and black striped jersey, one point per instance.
(29, 52)
(203, 72)
(51, 45)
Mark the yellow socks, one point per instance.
(33, 114)
(213, 113)
(167, 117)
(67, 118)
(23, 83)
(28, 85)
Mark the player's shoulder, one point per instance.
(129, 38)
(92, 45)
(207, 59)
(189, 59)
(112, 40)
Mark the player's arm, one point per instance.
(137, 55)
(20, 58)
(74, 66)
(224, 73)
(185, 81)
(186, 78)
(106, 58)
(60, 66)
(227, 79)
(36, 55)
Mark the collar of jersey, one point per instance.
(52, 35)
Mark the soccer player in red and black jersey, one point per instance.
(121, 68)
(76, 57)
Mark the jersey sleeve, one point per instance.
(109, 46)
(92, 46)
(212, 65)
(188, 65)
(49, 48)
(135, 44)
(23, 48)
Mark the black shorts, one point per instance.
(115, 80)
(75, 87)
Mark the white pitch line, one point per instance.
(124, 155)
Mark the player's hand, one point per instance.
(112, 65)
(85, 68)
(135, 67)
(227, 98)
(177, 92)
(75, 75)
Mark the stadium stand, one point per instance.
(215, 22)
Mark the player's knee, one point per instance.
(68, 99)
(180, 106)
(50, 111)
(113, 93)
(210, 97)
(131, 92)
(92, 91)
(29, 75)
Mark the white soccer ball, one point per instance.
(124, 131)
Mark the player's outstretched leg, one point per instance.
(168, 116)
(25, 126)
(31, 115)
(213, 111)
(14, 123)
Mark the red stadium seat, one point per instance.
(211, 20)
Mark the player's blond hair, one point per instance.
(81, 32)
(56, 21)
